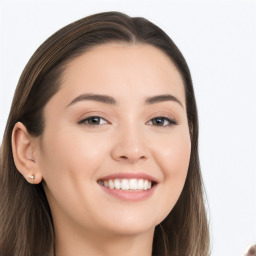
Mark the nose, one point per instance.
(130, 146)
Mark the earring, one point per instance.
(32, 177)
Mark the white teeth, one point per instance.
(145, 185)
(127, 184)
(133, 184)
(106, 184)
(111, 184)
(117, 184)
(140, 184)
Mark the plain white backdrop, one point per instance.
(218, 40)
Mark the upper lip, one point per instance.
(129, 175)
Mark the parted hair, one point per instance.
(26, 227)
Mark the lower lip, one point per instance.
(130, 195)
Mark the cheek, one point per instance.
(173, 159)
(69, 164)
(173, 153)
(70, 160)
(72, 151)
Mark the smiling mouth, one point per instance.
(127, 184)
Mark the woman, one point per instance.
(100, 154)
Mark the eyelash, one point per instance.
(170, 121)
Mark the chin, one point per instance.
(133, 230)
(132, 225)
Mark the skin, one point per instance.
(71, 156)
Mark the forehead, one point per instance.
(120, 68)
(116, 53)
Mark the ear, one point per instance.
(23, 150)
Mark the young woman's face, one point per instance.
(115, 150)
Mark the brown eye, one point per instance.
(162, 121)
(93, 120)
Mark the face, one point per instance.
(115, 150)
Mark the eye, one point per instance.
(162, 121)
(93, 121)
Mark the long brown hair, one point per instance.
(26, 227)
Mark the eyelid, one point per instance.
(92, 113)
(170, 121)
(84, 119)
(162, 114)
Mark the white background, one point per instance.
(218, 40)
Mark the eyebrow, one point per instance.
(112, 101)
